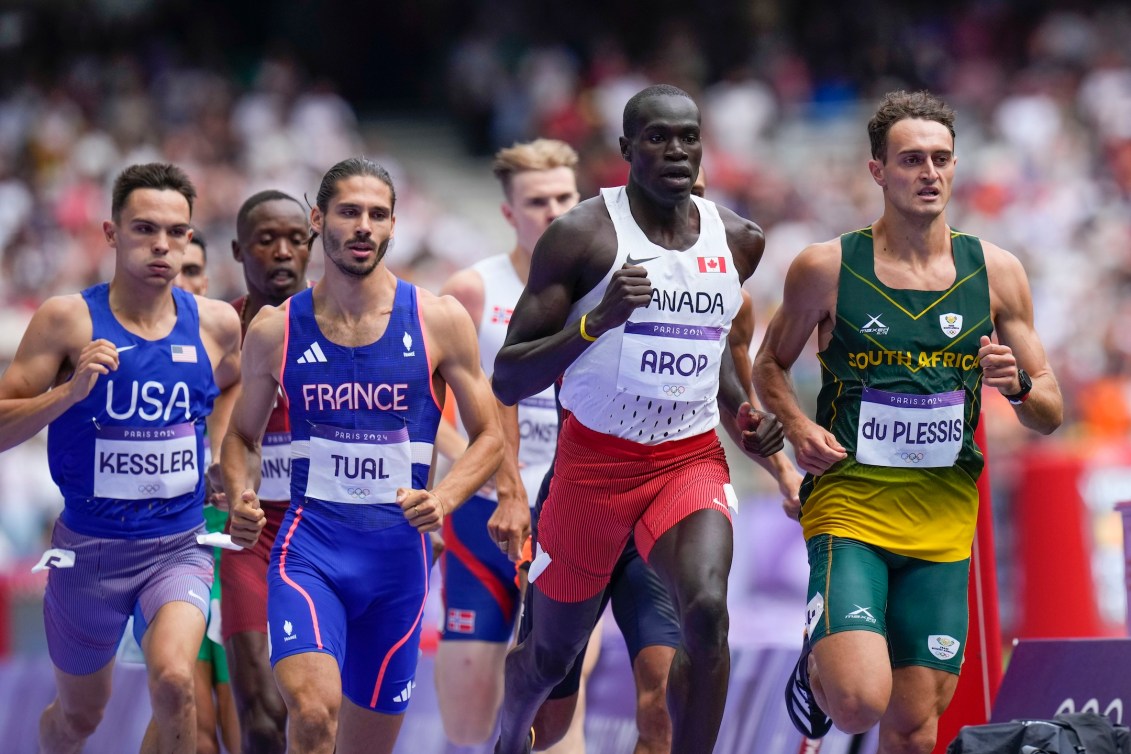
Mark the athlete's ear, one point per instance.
(508, 213)
(316, 219)
(237, 254)
(876, 168)
(110, 231)
(625, 149)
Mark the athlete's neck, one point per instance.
(256, 300)
(899, 237)
(520, 260)
(145, 310)
(668, 225)
(351, 298)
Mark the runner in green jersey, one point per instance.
(913, 318)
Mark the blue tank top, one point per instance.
(363, 420)
(128, 457)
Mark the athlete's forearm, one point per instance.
(508, 480)
(240, 464)
(217, 421)
(525, 369)
(1043, 410)
(479, 463)
(23, 418)
(775, 390)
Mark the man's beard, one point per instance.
(357, 269)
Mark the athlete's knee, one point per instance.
(80, 723)
(706, 622)
(918, 741)
(653, 722)
(312, 723)
(855, 711)
(469, 729)
(171, 690)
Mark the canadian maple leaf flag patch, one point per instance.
(712, 264)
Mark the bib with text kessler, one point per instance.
(670, 361)
(275, 469)
(145, 463)
(358, 466)
(910, 431)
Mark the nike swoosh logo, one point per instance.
(119, 349)
(637, 262)
(193, 594)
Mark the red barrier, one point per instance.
(1057, 593)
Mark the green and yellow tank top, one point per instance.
(901, 391)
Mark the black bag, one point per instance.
(1080, 733)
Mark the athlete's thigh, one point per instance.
(480, 595)
(304, 611)
(385, 605)
(848, 588)
(928, 614)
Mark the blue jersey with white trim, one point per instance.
(363, 419)
(128, 458)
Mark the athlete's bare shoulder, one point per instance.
(66, 318)
(447, 325)
(219, 319)
(746, 239)
(576, 250)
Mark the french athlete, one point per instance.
(125, 375)
(364, 360)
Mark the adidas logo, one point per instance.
(313, 355)
(406, 694)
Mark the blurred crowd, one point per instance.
(1044, 170)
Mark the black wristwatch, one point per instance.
(1026, 385)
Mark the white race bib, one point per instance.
(275, 471)
(358, 466)
(910, 431)
(145, 463)
(670, 361)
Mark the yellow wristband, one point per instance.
(584, 334)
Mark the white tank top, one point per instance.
(538, 414)
(656, 378)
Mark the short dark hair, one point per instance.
(901, 105)
(631, 119)
(349, 168)
(253, 201)
(151, 175)
(199, 240)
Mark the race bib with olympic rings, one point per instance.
(145, 463)
(910, 431)
(670, 361)
(358, 466)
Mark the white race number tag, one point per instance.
(910, 431)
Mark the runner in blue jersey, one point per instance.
(364, 359)
(125, 375)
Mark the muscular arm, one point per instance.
(510, 521)
(452, 338)
(808, 303)
(572, 257)
(1018, 345)
(220, 326)
(779, 465)
(240, 455)
(61, 327)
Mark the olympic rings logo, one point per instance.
(675, 390)
(148, 489)
(357, 492)
(911, 457)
